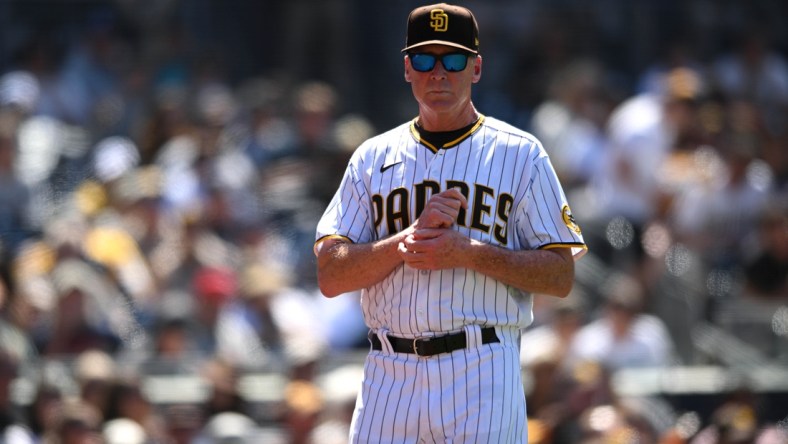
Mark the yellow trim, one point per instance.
(433, 148)
(417, 136)
(470, 131)
(583, 248)
(550, 246)
(338, 237)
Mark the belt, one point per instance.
(434, 345)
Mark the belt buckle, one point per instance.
(416, 348)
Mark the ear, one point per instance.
(406, 64)
(477, 69)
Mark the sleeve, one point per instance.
(349, 213)
(544, 219)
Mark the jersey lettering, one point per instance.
(480, 208)
(377, 204)
(421, 194)
(505, 202)
(395, 208)
(465, 190)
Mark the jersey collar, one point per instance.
(452, 143)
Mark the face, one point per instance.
(440, 91)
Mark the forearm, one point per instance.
(344, 266)
(536, 271)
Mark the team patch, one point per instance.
(569, 220)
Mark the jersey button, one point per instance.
(424, 272)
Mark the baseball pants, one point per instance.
(472, 395)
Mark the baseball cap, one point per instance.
(442, 24)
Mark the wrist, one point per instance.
(390, 244)
(474, 253)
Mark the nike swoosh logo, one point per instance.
(383, 168)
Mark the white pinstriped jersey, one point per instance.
(515, 201)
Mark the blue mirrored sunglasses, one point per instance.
(452, 62)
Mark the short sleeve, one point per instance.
(349, 213)
(545, 219)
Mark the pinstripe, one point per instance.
(490, 394)
(543, 196)
(539, 208)
(387, 389)
(503, 160)
(467, 393)
(477, 418)
(455, 412)
(397, 411)
(508, 417)
(361, 418)
(534, 232)
(430, 410)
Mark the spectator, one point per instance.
(223, 396)
(273, 324)
(571, 121)
(342, 321)
(551, 340)
(755, 71)
(766, 268)
(32, 299)
(75, 422)
(184, 422)
(85, 297)
(624, 336)
(40, 413)
(717, 217)
(676, 51)
(12, 428)
(175, 349)
(95, 372)
(616, 423)
(731, 423)
(303, 408)
(127, 401)
(227, 428)
(90, 71)
(546, 360)
(15, 214)
(271, 132)
(123, 431)
(214, 288)
(644, 131)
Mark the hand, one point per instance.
(434, 249)
(442, 209)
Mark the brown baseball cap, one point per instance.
(442, 24)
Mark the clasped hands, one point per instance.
(430, 243)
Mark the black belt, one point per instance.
(433, 346)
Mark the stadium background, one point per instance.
(163, 164)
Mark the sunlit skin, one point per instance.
(444, 98)
(430, 243)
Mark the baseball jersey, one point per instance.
(515, 201)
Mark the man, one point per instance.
(447, 224)
(624, 336)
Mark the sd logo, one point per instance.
(439, 20)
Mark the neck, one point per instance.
(436, 122)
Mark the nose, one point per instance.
(438, 72)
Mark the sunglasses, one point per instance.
(452, 62)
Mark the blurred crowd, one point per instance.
(158, 205)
